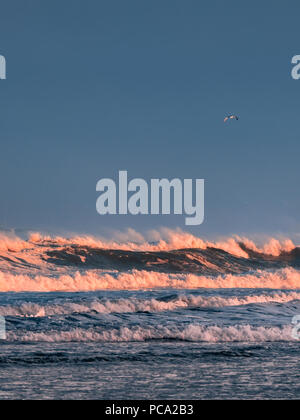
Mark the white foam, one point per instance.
(133, 305)
(193, 332)
(286, 278)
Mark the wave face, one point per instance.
(180, 260)
(210, 261)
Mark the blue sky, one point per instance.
(98, 86)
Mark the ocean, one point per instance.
(91, 320)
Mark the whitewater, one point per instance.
(170, 316)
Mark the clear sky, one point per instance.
(97, 86)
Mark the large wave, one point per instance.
(174, 259)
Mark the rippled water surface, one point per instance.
(208, 343)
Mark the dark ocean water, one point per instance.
(150, 344)
(88, 322)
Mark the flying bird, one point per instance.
(231, 117)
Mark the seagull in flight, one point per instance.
(231, 117)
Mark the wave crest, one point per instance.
(175, 260)
(133, 305)
(192, 332)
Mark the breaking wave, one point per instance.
(171, 259)
(134, 305)
(287, 278)
(192, 332)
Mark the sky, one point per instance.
(98, 86)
